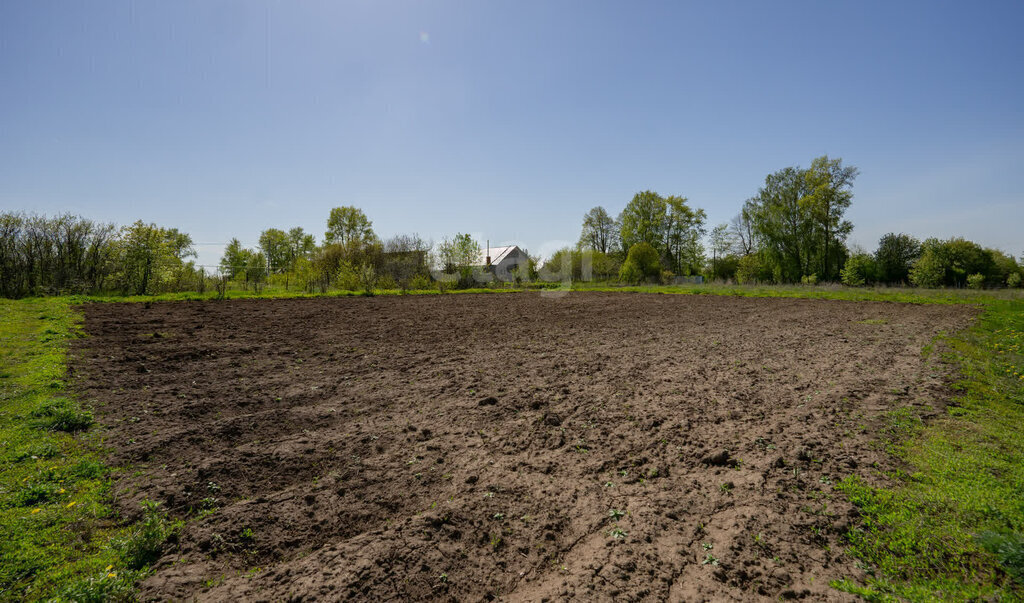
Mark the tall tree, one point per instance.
(276, 248)
(349, 226)
(643, 221)
(721, 243)
(742, 229)
(683, 228)
(783, 226)
(599, 230)
(829, 194)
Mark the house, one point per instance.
(503, 262)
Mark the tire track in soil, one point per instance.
(470, 447)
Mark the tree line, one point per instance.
(793, 230)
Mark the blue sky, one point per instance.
(507, 120)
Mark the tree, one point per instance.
(895, 255)
(742, 229)
(782, 225)
(828, 184)
(684, 228)
(234, 260)
(599, 230)
(300, 245)
(643, 221)
(349, 226)
(859, 270)
(150, 255)
(458, 255)
(276, 249)
(721, 242)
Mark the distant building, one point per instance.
(504, 262)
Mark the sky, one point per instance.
(507, 119)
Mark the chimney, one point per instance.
(488, 253)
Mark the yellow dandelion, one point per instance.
(70, 504)
(34, 511)
(61, 491)
(109, 567)
(112, 575)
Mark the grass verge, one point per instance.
(59, 539)
(952, 526)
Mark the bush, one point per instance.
(642, 262)
(752, 270)
(858, 271)
(1013, 281)
(421, 282)
(810, 279)
(976, 281)
(631, 273)
(928, 271)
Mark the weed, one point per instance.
(617, 533)
(616, 514)
(144, 544)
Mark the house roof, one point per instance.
(497, 254)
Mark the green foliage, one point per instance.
(457, 257)
(810, 279)
(144, 543)
(895, 255)
(752, 269)
(976, 281)
(1013, 280)
(641, 263)
(61, 414)
(669, 226)
(797, 218)
(860, 269)
(349, 226)
(928, 270)
(951, 527)
(600, 232)
(54, 515)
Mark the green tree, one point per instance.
(276, 247)
(458, 256)
(600, 230)
(859, 270)
(300, 245)
(349, 226)
(150, 255)
(684, 228)
(234, 260)
(828, 186)
(895, 255)
(643, 221)
(721, 242)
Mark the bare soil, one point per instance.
(474, 447)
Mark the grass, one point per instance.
(950, 527)
(58, 536)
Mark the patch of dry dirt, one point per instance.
(472, 447)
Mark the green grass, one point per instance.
(952, 526)
(58, 537)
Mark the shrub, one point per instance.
(666, 277)
(810, 279)
(1013, 281)
(928, 271)
(976, 281)
(642, 262)
(631, 273)
(858, 271)
(420, 282)
(751, 269)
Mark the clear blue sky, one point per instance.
(508, 119)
